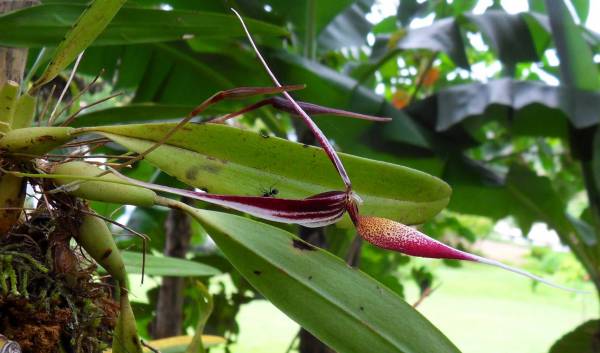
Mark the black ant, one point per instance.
(270, 192)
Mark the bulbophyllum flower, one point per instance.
(328, 207)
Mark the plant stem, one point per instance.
(310, 36)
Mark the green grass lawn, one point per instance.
(480, 308)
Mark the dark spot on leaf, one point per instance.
(257, 272)
(362, 308)
(310, 278)
(45, 138)
(106, 254)
(211, 158)
(264, 134)
(213, 169)
(192, 172)
(299, 244)
(134, 340)
(305, 145)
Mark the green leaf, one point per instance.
(456, 103)
(178, 344)
(165, 266)
(409, 9)
(46, 25)
(596, 158)
(514, 38)
(132, 113)
(582, 8)
(577, 65)
(296, 13)
(584, 339)
(331, 88)
(349, 28)
(509, 36)
(584, 230)
(534, 198)
(83, 32)
(343, 307)
(228, 160)
(441, 36)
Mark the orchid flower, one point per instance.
(328, 207)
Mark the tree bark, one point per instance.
(12, 67)
(169, 309)
(13, 60)
(308, 342)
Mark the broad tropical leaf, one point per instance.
(347, 310)
(451, 106)
(583, 339)
(46, 25)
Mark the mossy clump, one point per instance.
(51, 299)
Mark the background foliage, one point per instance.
(509, 143)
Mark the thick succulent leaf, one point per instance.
(583, 339)
(165, 266)
(456, 103)
(351, 313)
(228, 160)
(46, 25)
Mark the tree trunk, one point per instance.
(315, 236)
(13, 60)
(12, 67)
(169, 309)
(308, 342)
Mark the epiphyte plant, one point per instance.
(328, 207)
(26, 152)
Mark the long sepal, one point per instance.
(315, 109)
(310, 108)
(391, 235)
(315, 211)
(335, 159)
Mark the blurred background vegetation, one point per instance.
(501, 99)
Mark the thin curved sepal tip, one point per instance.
(391, 235)
(321, 138)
